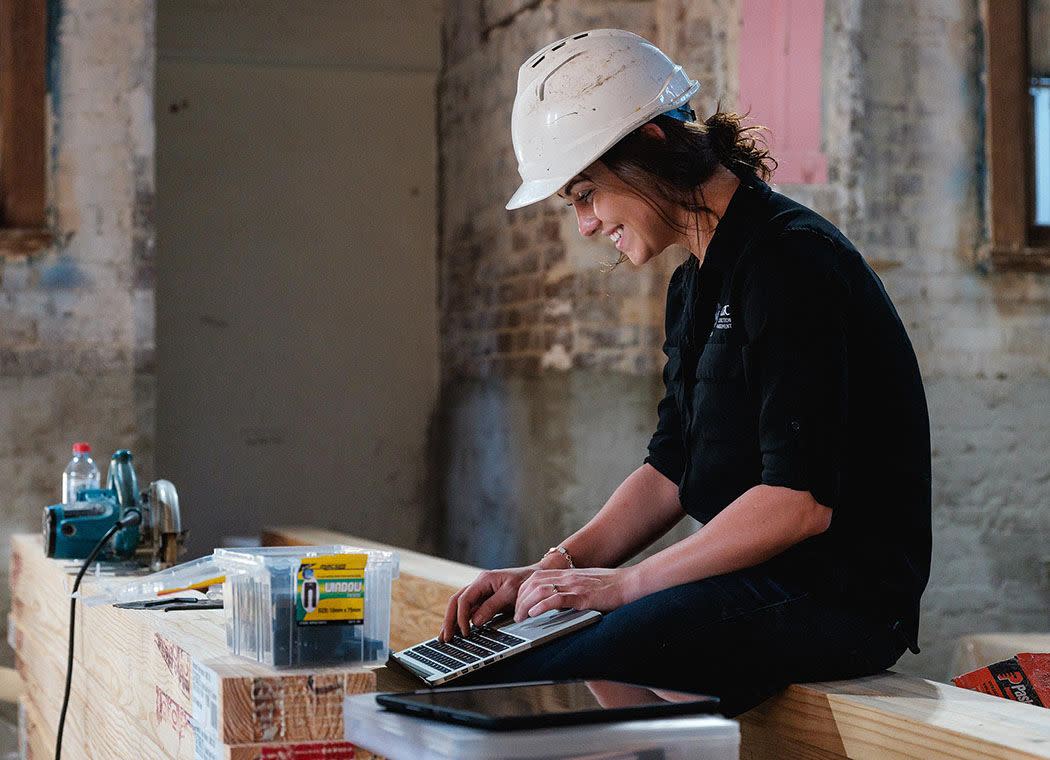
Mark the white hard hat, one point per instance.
(580, 95)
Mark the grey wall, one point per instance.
(297, 339)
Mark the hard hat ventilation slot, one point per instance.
(559, 45)
(537, 62)
(581, 36)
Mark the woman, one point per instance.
(794, 426)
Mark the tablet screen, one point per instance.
(548, 703)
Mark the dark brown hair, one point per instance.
(671, 170)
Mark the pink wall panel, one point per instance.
(780, 82)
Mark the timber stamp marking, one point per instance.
(177, 661)
(171, 712)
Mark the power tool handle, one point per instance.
(121, 479)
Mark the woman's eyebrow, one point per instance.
(568, 189)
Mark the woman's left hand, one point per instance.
(584, 588)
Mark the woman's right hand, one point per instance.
(491, 592)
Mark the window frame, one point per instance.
(1014, 240)
(23, 127)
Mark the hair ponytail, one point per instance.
(739, 146)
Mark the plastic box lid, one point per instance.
(215, 565)
(285, 557)
(405, 737)
(138, 588)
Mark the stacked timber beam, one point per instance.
(162, 685)
(889, 715)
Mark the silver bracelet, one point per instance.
(563, 552)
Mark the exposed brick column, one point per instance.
(520, 292)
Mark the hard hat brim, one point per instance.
(535, 190)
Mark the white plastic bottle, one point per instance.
(80, 473)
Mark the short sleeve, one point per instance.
(666, 447)
(796, 360)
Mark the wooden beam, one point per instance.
(1006, 126)
(23, 144)
(894, 715)
(96, 725)
(32, 743)
(38, 741)
(161, 730)
(18, 241)
(1023, 259)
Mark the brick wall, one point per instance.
(516, 296)
(76, 321)
(550, 365)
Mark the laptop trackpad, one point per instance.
(537, 627)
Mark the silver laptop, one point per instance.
(437, 662)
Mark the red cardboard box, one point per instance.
(1023, 678)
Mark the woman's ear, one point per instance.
(653, 130)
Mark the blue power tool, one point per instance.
(71, 531)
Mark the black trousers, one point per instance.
(742, 637)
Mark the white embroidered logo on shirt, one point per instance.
(722, 319)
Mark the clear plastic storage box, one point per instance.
(297, 606)
(405, 737)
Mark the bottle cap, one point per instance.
(81, 448)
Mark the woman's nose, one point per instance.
(587, 221)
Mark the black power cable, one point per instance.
(131, 517)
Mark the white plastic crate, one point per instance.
(405, 737)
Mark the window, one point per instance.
(23, 137)
(1041, 140)
(1039, 80)
(1017, 132)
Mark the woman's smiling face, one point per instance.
(605, 205)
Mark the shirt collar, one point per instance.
(738, 223)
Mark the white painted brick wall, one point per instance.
(76, 323)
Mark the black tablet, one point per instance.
(539, 704)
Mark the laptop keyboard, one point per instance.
(457, 652)
(437, 656)
(466, 647)
(415, 655)
(461, 651)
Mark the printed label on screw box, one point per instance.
(331, 589)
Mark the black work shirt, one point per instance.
(788, 365)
